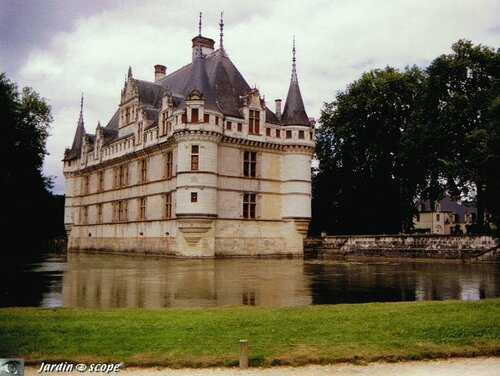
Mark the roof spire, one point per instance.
(81, 108)
(129, 74)
(221, 25)
(76, 146)
(294, 68)
(199, 26)
(294, 112)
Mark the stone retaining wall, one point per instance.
(456, 247)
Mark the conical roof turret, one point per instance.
(294, 111)
(76, 146)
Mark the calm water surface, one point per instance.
(109, 281)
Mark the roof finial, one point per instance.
(294, 70)
(199, 26)
(221, 24)
(80, 118)
(129, 74)
(81, 106)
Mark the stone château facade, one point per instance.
(193, 164)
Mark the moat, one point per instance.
(111, 281)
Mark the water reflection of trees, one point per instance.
(335, 282)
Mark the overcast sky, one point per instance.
(62, 48)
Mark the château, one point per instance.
(193, 164)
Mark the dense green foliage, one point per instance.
(29, 210)
(208, 337)
(395, 137)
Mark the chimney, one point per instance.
(206, 44)
(278, 108)
(160, 72)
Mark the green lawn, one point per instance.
(277, 336)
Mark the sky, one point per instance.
(63, 48)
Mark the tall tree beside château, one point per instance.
(393, 138)
(463, 87)
(25, 118)
(363, 183)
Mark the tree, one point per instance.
(463, 89)
(26, 119)
(363, 183)
(393, 138)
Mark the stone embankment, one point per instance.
(454, 247)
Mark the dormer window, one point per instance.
(254, 122)
(139, 133)
(194, 115)
(127, 115)
(437, 207)
(164, 126)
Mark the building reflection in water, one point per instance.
(109, 281)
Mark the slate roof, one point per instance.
(222, 86)
(294, 111)
(448, 205)
(216, 76)
(76, 146)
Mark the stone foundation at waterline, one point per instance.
(464, 247)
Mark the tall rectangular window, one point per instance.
(268, 132)
(229, 125)
(86, 185)
(100, 182)
(139, 133)
(85, 215)
(249, 205)
(288, 134)
(301, 135)
(249, 164)
(206, 118)
(122, 180)
(278, 133)
(195, 157)
(194, 115)
(116, 177)
(99, 213)
(253, 122)
(164, 123)
(127, 115)
(142, 208)
(167, 213)
(143, 173)
(184, 118)
(194, 196)
(168, 165)
(120, 211)
(240, 127)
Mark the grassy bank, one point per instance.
(209, 337)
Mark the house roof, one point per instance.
(448, 205)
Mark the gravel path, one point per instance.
(450, 367)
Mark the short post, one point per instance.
(243, 353)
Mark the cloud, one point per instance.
(87, 47)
